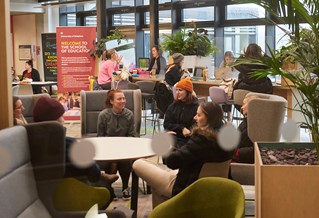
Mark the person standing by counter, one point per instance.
(174, 71)
(31, 73)
(158, 62)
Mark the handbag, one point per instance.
(228, 86)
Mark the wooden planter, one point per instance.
(285, 191)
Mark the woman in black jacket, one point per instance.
(33, 74)
(179, 116)
(245, 79)
(174, 71)
(158, 62)
(185, 163)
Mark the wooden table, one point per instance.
(123, 148)
(201, 88)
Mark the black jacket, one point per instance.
(180, 115)
(245, 150)
(160, 62)
(190, 158)
(247, 82)
(173, 75)
(35, 76)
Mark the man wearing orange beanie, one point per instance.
(179, 117)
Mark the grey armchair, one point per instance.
(93, 102)
(29, 102)
(266, 116)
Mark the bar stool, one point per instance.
(148, 94)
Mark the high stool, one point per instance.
(148, 94)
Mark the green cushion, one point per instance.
(207, 197)
(74, 195)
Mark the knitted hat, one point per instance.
(177, 57)
(47, 109)
(185, 84)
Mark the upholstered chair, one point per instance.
(207, 197)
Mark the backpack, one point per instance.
(164, 96)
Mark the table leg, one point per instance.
(134, 198)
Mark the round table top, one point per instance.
(121, 148)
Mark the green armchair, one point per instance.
(207, 197)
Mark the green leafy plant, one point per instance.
(302, 49)
(195, 42)
(100, 46)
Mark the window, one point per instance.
(236, 39)
(198, 14)
(244, 11)
(90, 21)
(71, 20)
(123, 19)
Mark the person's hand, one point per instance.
(171, 132)
(186, 132)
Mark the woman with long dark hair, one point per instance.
(185, 163)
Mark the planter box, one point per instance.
(285, 191)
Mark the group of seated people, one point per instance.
(194, 126)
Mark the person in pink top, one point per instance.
(111, 64)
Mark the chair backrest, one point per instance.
(29, 102)
(146, 86)
(243, 173)
(18, 188)
(214, 169)
(122, 84)
(93, 102)
(217, 94)
(239, 96)
(266, 115)
(25, 89)
(164, 96)
(15, 90)
(132, 86)
(215, 197)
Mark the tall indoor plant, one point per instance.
(303, 49)
(193, 44)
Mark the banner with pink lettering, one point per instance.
(74, 62)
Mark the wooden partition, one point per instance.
(6, 116)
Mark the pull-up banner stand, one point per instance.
(75, 64)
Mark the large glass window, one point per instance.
(71, 20)
(236, 39)
(147, 2)
(117, 3)
(198, 14)
(90, 21)
(244, 11)
(163, 16)
(123, 19)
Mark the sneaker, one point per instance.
(126, 194)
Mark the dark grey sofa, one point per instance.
(31, 165)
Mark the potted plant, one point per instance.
(100, 46)
(194, 45)
(286, 190)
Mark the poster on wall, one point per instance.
(49, 56)
(75, 64)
